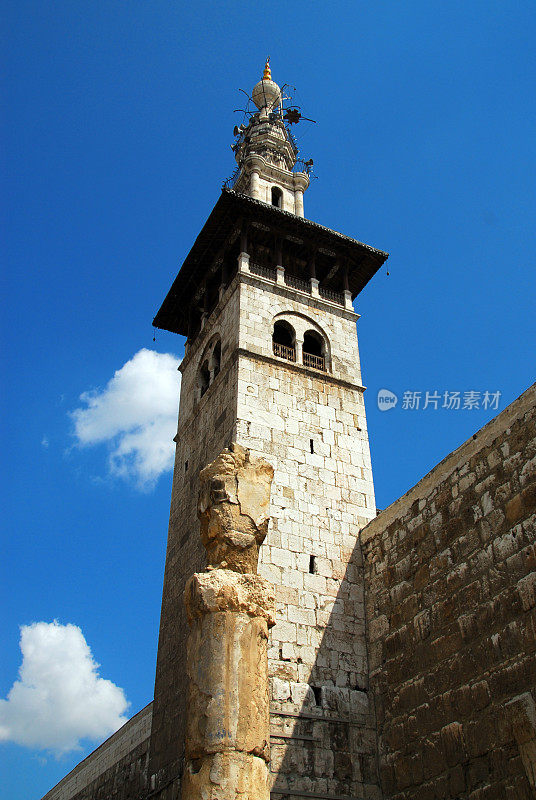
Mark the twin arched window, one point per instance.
(313, 348)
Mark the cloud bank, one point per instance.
(136, 416)
(59, 697)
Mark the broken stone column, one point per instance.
(230, 609)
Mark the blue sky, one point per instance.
(116, 138)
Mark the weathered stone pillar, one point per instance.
(298, 202)
(254, 186)
(230, 609)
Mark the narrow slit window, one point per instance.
(186, 466)
(317, 691)
(312, 565)
(277, 197)
(312, 445)
(204, 378)
(216, 359)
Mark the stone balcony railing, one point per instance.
(265, 272)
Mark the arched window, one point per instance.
(216, 359)
(204, 378)
(277, 197)
(284, 340)
(314, 350)
(210, 367)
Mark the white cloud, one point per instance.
(136, 415)
(59, 697)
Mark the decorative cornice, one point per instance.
(325, 377)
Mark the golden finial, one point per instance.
(267, 75)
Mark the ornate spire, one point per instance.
(266, 93)
(266, 152)
(267, 74)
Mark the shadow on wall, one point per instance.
(325, 747)
(450, 577)
(449, 571)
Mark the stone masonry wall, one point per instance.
(117, 769)
(451, 592)
(322, 727)
(205, 427)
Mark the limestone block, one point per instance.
(302, 695)
(228, 687)
(280, 689)
(230, 609)
(521, 712)
(233, 776)
(233, 508)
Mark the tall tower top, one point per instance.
(266, 152)
(266, 93)
(260, 214)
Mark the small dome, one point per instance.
(266, 93)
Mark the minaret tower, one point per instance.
(267, 155)
(264, 299)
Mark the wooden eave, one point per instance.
(230, 210)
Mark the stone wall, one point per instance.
(205, 427)
(450, 599)
(311, 427)
(118, 768)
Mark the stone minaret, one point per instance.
(265, 300)
(266, 153)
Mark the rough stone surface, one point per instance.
(118, 768)
(450, 577)
(224, 775)
(225, 590)
(229, 609)
(281, 411)
(233, 507)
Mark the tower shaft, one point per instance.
(272, 364)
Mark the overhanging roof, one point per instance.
(363, 261)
